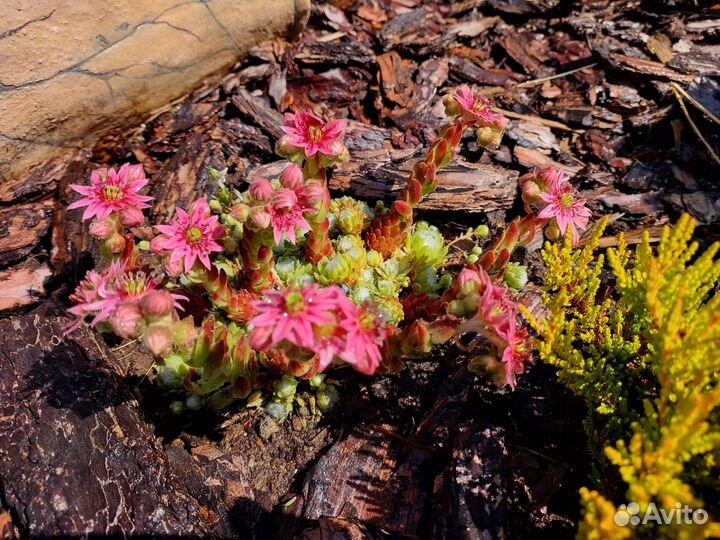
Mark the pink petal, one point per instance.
(83, 190)
(205, 260)
(334, 129)
(79, 204)
(189, 261)
(563, 221)
(549, 212)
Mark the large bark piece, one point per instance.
(382, 174)
(96, 468)
(70, 70)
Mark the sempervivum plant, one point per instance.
(240, 296)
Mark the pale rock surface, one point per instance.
(70, 70)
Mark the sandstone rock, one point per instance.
(71, 70)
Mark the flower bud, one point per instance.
(184, 332)
(158, 339)
(157, 245)
(174, 267)
(240, 212)
(200, 207)
(452, 107)
(455, 307)
(261, 190)
(292, 177)
(157, 304)
(403, 209)
(417, 338)
(127, 321)
(481, 231)
(115, 244)
(312, 193)
(283, 148)
(264, 254)
(552, 231)
(102, 229)
(260, 218)
(132, 217)
(489, 136)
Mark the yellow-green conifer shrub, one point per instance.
(642, 347)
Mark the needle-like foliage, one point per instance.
(644, 352)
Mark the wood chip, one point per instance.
(649, 67)
(22, 285)
(396, 78)
(22, 227)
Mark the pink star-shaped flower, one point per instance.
(191, 236)
(312, 134)
(112, 191)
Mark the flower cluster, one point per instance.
(324, 322)
(476, 109)
(492, 314)
(132, 303)
(550, 191)
(282, 282)
(112, 198)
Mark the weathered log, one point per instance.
(76, 455)
(382, 174)
(72, 70)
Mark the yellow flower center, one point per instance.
(478, 106)
(367, 320)
(112, 193)
(294, 303)
(135, 285)
(567, 200)
(194, 235)
(315, 133)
